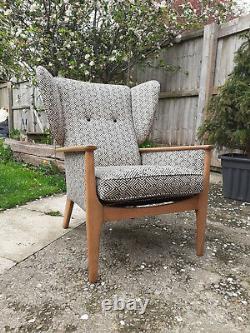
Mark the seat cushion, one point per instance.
(144, 184)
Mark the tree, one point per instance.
(228, 121)
(92, 40)
(205, 9)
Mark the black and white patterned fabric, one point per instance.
(74, 170)
(144, 103)
(104, 115)
(100, 114)
(52, 104)
(186, 159)
(143, 184)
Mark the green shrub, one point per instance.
(228, 120)
(147, 144)
(15, 134)
(5, 152)
(47, 138)
(49, 168)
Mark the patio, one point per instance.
(150, 259)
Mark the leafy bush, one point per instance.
(147, 144)
(47, 138)
(228, 121)
(15, 134)
(49, 168)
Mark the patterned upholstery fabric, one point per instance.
(187, 159)
(104, 115)
(143, 184)
(144, 103)
(74, 170)
(164, 176)
(52, 104)
(93, 114)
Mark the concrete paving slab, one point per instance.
(23, 232)
(54, 203)
(5, 264)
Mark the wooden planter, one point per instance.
(35, 154)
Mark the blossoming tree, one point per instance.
(93, 40)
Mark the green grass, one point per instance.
(20, 183)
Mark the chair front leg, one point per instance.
(201, 211)
(94, 217)
(94, 220)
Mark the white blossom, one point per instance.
(7, 12)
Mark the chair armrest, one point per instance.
(177, 148)
(76, 149)
(189, 157)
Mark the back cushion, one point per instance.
(99, 114)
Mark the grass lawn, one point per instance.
(20, 183)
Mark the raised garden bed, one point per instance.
(35, 154)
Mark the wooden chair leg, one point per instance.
(94, 221)
(201, 212)
(201, 216)
(94, 217)
(67, 213)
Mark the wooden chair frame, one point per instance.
(97, 213)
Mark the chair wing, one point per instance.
(51, 100)
(144, 103)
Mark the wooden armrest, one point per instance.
(177, 148)
(76, 149)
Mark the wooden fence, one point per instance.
(205, 58)
(25, 107)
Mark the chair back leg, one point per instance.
(67, 213)
(201, 216)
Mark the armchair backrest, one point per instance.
(82, 113)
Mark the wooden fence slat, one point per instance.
(235, 26)
(179, 93)
(3, 85)
(189, 35)
(207, 70)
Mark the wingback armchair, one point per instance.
(100, 127)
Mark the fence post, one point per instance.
(10, 110)
(209, 50)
